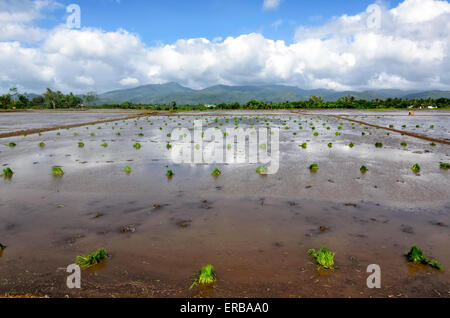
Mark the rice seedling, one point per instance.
(216, 172)
(205, 276)
(304, 145)
(417, 126)
(7, 173)
(351, 145)
(127, 169)
(324, 257)
(91, 259)
(12, 144)
(80, 145)
(42, 144)
(404, 144)
(92, 134)
(2, 247)
(316, 134)
(137, 146)
(379, 145)
(415, 255)
(338, 133)
(104, 145)
(57, 172)
(416, 168)
(444, 165)
(432, 127)
(169, 173)
(58, 134)
(363, 169)
(168, 146)
(432, 144)
(314, 167)
(262, 170)
(330, 145)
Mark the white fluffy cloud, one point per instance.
(271, 4)
(405, 47)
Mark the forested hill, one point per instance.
(173, 92)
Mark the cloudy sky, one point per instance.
(334, 44)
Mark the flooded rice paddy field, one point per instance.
(255, 230)
(10, 122)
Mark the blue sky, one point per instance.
(165, 21)
(332, 44)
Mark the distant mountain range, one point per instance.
(174, 92)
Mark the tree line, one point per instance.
(57, 100)
(313, 102)
(49, 99)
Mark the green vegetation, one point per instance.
(206, 276)
(351, 145)
(127, 169)
(2, 247)
(432, 144)
(314, 167)
(330, 145)
(324, 257)
(80, 145)
(42, 144)
(168, 146)
(444, 165)
(378, 145)
(137, 146)
(263, 170)
(363, 169)
(56, 99)
(57, 172)
(7, 173)
(304, 145)
(404, 144)
(104, 145)
(415, 255)
(416, 168)
(12, 144)
(91, 259)
(169, 173)
(216, 172)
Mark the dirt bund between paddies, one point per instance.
(41, 130)
(446, 142)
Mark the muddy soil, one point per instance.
(255, 230)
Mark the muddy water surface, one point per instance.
(254, 229)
